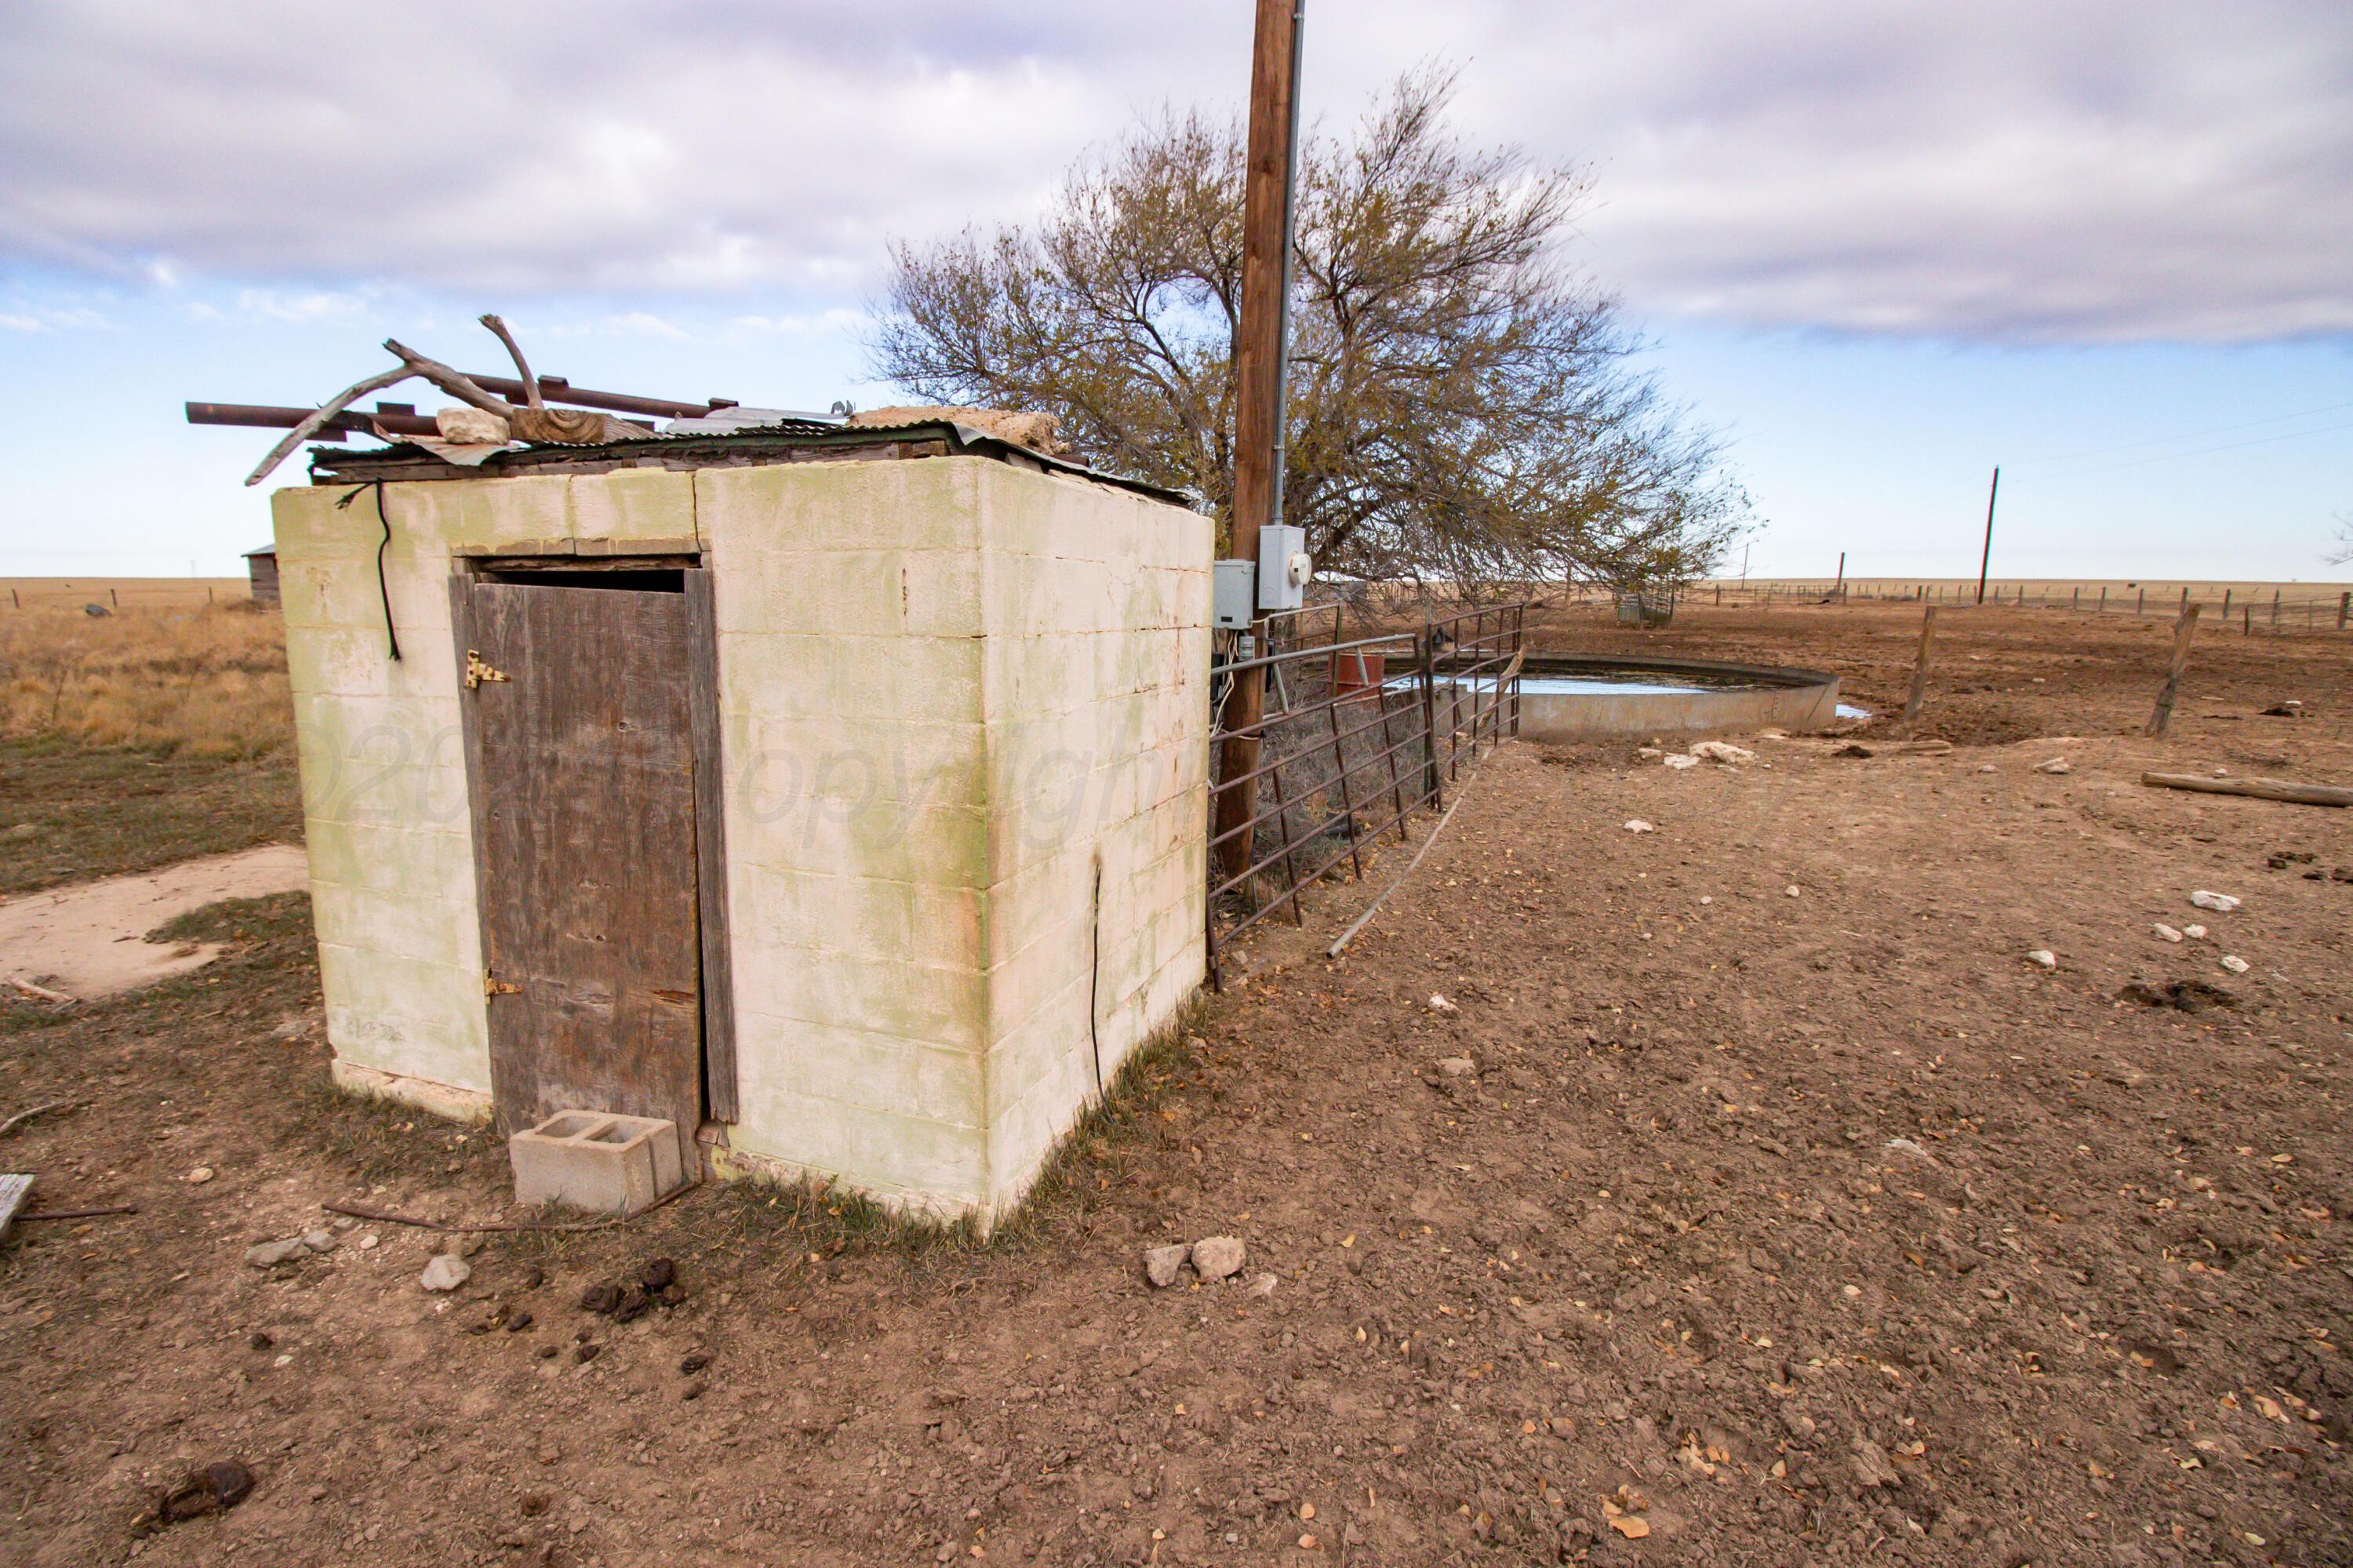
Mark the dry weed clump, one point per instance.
(201, 682)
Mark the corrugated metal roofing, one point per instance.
(791, 431)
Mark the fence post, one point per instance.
(2184, 596)
(1920, 669)
(2183, 632)
(2140, 603)
(2104, 598)
(1429, 719)
(2275, 606)
(2247, 620)
(2226, 604)
(2344, 604)
(2076, 602)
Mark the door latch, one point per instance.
(492, 985)
(476, 671)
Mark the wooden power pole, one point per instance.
(1262, 357)
(1986, 559)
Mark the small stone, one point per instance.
(2221, 903)
(2044, 957)
(2166, 933)
(1457, 1066)
(445, 1271)
(2235, 964)
(1636, 825)
(370, 1242)
(1791, 890)
(2056, 765)
(1439, 1004)
(199, 1176)
(1873, 1467)
(546, 1352)
(1217, 1257)
(1724, 751)
(1678, 761)
(269, 1255)
(519, 1322)
(1263, 1286)
(2195, 933)
(533, 1279)
(693, 1390)
(319, 1241)
(465, 1246)
(1162, 1265)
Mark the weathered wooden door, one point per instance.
(580, 751)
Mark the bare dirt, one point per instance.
(85, 941)
(1762, 1227)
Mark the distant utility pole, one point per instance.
(1744, 566)
(1987, 556)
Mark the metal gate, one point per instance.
(1358, 735)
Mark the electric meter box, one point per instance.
(1283, 567)
(1232, 594)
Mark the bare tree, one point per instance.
(1463, 404)
(2342, 550)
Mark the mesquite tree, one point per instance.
(1463, 404)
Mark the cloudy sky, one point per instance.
(1882, 247)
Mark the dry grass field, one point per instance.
(120, 593)
(199, 681)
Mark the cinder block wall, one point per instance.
(952, 692)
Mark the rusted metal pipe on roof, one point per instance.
(401, 419)
(556, 389)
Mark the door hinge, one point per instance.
(493, 986)
(476, 671)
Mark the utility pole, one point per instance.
(1261, 362)
(1838, 591)
(1987, 556)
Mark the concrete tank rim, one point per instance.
(1787, 677)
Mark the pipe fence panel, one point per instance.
(1357, 736)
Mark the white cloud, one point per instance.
(2004, 169)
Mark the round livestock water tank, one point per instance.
(1582, 696)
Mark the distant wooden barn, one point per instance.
(261, 567)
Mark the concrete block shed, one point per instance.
(840, 795)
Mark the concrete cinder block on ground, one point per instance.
(615, 1164)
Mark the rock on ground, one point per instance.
(1218, 1257)
(1162, 1265)
(443, 1271)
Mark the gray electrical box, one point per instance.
(1233, 593)
(1283, 567)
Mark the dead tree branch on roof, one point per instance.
(522, 366)
(455, 383)
(323, 415)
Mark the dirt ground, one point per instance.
(1786, 1212)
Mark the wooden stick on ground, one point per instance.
(326, 411)
(1920, 669)
(386, 1216)
(2259, 788)
(22, 1116)
(78, 1213)
(2183, 629)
